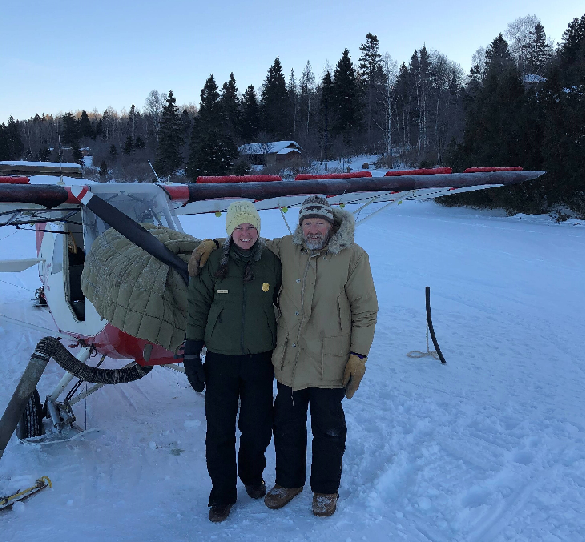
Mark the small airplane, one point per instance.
(70, 217)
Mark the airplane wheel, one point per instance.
(31, 421)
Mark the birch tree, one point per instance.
(306, 97)
(519, 36)
(153, 107)
(390, 71)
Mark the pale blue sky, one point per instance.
(59, 56)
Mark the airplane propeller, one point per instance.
(130, 229)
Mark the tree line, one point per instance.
(521, 104)
(524, 105)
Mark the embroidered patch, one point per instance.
(265, 286)
(222, 291)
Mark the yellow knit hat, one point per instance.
(241, 212)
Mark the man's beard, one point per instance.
(317, 242)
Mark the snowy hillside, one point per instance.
(488, 448)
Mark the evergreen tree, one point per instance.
(44, 155)
(128, 146)
(139, 143)
(326, 105)
(211, 153)
(276, 121)
(229, 103)
(11, 145)
(346, 106)
(371, 75)
(70, 130)
(85, 127)
(113, 151)
(99, 129)
(539, 51)
(498, 58)
(250, 123)
(423, 91)
(493, 127)
(70, 136)
(563, 102)
(212, 150)
(209, 111)
(572, 52)
(77, 154)
(185, 124)
(170, 142)
(14, 138)
(103, 169)
(4, 147)
(370, 61)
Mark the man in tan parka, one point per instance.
(328, 309)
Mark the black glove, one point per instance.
(193, 366)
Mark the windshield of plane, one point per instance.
(141, 202)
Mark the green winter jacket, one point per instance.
(231, 316)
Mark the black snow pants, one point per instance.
(228, 379)
(290, 437)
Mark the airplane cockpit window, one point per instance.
(141, 202)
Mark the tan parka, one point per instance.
(328, 307)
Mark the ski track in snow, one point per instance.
(490, 447)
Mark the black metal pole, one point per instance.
(430, 324)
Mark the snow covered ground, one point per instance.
(490, 447)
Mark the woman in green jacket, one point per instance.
(232, 312)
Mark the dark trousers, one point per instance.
(229, 379)
(290, 437)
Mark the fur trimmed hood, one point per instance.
(342, 232)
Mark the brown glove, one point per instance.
(354, 372)
(200, 255)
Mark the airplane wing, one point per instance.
(24, 203)
(214, 194)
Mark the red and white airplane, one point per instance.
(69, 217)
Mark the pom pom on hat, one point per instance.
(241, 212)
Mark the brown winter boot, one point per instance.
(219, 512)
(256, 491)
(278, 496)
(324, 504)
